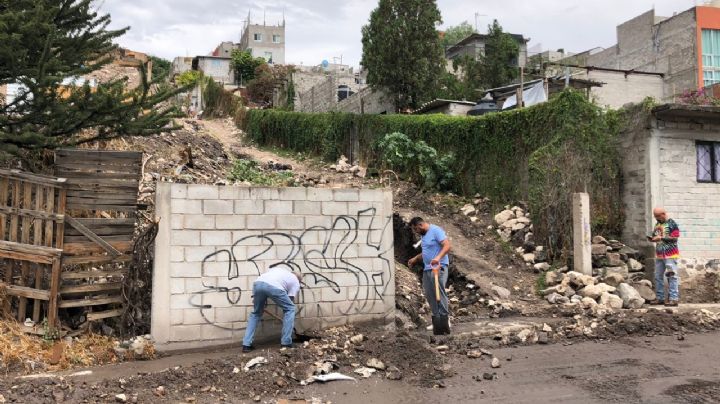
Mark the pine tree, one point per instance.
(46, 47)
(402, 51)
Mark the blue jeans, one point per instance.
(438, 308)
(661, 266)
(261, 292)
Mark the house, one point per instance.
(265, 41)
(474, 46)
(683, 47)
(671, 159)
(446, 107)
(180, 65)
(216, 67)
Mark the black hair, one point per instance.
(416, 221)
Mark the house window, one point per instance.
(268, 57)
(711, 56)
(257, 37)
(276, 38)
(708, 161)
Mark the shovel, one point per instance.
(297, 337)
(441, 324)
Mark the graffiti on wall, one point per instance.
(319, 253)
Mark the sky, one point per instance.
(318, 30)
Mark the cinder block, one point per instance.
(178, 191)
(229, 222)
(185, 238)
(346, 308)
(216, 238)
(249, 207)
(181, 301)
(199, 222)
(218, 207)
(371, 195)
(186, 206)
(177, 254)
(198, 317)
(231, 314)
(334, 208)
(233, 192)
(185, 270)
(306, 207)
(176, 317)
(200, 285)
(264, 193)
(198, 191)
(330, 322)
(330, 295)
(220, 269)
(183, 333)
(319, 194)
(217, 331)
(293, 194)
(324, 222)
(346, 195)
(290, 222)
(257, 222)
(278, 207)
(177, 286)
(199, 254)
(177, 221)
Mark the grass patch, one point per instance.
(248, 171)
(541, 283)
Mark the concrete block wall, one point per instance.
(214, 241)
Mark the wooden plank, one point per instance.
(89, 180)
(14, 218)
(4, 184)
(92, 236)
(25, 292)
(41, 251)
(104, 314)
(121, 166)
(94, 274)
(103, 200)
(83, 238)
(118, 208)
(93, 287)
(104, 231)
(32, 178)
(25, 239)
(90, 248)
(86, 154)
(90, 223)
(99, 174)
(31, 213)
(56, 265)
(81, 191)
(95, 259)
(90, 302)
(38, 241)
(49, 224)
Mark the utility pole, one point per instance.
(477, 17)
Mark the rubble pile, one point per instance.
(514, 226)
(344, 166)
(594, 292)
(611, 258)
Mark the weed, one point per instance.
(541, 283)
(248, 171)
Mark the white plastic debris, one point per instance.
(329, 378)
(254, 362)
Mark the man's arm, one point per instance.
(443, 252)
(413, 260)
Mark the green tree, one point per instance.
(188, 78)
(46, 47)
(499, 63)
(160, 68)
(402, 51)
(244, 65)
(455, 34)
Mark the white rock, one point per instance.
(530, 257)
(375, 363)
(579, 280)
(121, 398)
(524, 334)
(546, 328)
(518, 226)
(500, 292)
(509, 224)
(357, 339)
(595, 291)
(365, 372)
(503, 217)
(542, 267)
(635, 265)
(610, 300)
(630, 296)
(468, 210)
(523, 220)
(552, 278)
(495, 363)
(254, 362)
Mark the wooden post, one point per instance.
(57, 262)
(582, 237)
(38, 241)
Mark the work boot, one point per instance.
(291, 346)
(672, 303)
(246, 349)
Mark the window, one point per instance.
(276, 38)
(711, 56)
(257, 37)
(268, 57)
(708, 161)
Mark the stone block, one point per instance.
(198, 317)
(330, 322)
(199, 191)
(229, 222)
(258, 222)
(278, 207)
(177, 221)
(177, 286)
(232, 192)
(178, 191)
(185, 270)
(324, 222)
(176, 317)
(334, 208)
(291, 223)
(319, 194)
(217, 332)
(200, 254)
(306, 208)
(293, 194)
(201, 285)
(183, 333)
(231, 314)
(199, 222)
(264, 193)
(181, 301)
(185, 238)
(218, 207)
(186, 206)
(249, 207)
(371, 195)
(220, 269)
(346, 195)
(177, 254)
(216, 238)
(330, 295)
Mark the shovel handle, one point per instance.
(436, 274)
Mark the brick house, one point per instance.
(673, 160)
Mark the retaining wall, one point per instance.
(214, 241)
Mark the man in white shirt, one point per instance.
(281, 286)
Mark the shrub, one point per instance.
(416, 161)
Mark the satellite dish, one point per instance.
(325, 64)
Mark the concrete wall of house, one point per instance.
(452, 109)
(669, 47)
(180, 65)
(619, 89)
(217, 68)
(259, 48)
(367, 101)
(214, 241)
(323, 96)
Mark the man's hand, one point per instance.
(657, 238)
(435, 262)
(411, 262)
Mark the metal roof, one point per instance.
(439, 102)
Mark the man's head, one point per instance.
(419, 226)
(660, 215)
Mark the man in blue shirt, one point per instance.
(435, 249)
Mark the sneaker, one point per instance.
(655, 302)
(429, 328)
(246, 349)
(672, 303)
(291, 346)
